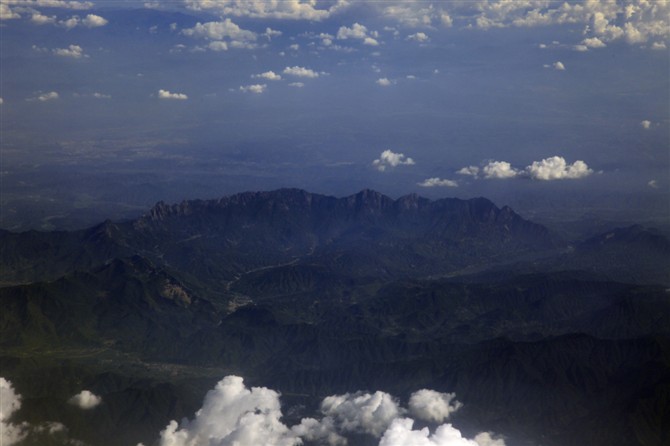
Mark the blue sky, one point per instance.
(132, 102)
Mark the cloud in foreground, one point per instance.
(85, 400)
(548, 169)
(10, 402)
(233, 414)
(165, 94)
(389, 158)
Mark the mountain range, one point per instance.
(544, 340)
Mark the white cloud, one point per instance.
(218, 45)
(74, 51)
(63, 4)
(437, 182)
(418, 14)
(362, 412)
(432, 406)
(358, 32)
(384, 82)
(256, 88)
(271, 33)
(294, 47)
(101, 95)
(653, 184)
(499, 170)
(269, 75)
(284, 9)
(300, 72)
(2, 101)
(659, 46)
(469, 170)
(222, 34)
(646, 124)
(94, 21)
(391, 159)
(10, 402)
(85, 400)
(418, 37)
(296, 84)
(558, 66)
(556, 168)
(41, 19)
(6, 13)
(233, 415)
(165, 94)
(400, 433)
(45, 97)
(593, 42)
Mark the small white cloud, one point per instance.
(556, 168)
(581, 48)
(101, 95)
(410, 77)
(469, 170)
(165, 94)
(658, 46)
(558, 66)
(653, 184)
(269, 75)
(370, 41)
(300, 72)
(296, 84)
(418, 37)
(44, 97)
(389, 158)
(271, 33)
(294, 47)
(6, 13)
(256, 88)
(357, 31)
(40, 19)
(74, 51)
(384, 82)
(2, 101)
(432, 406)
(94, 21)
(85, 400)
(499, 170)
(218, 45)
(593, 42)
(646, 124)
(437, 182)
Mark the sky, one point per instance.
(109, 106)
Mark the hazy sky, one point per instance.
(132, 102)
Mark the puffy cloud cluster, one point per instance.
(255, 88)
(277, 9)
(90, 21)
(419, 37)
(269, 75)
(85, 400)
(10, 402)
(165, 94)
(222, 35)
(74, 51)
(438, 182)
(232, 414)
(45, 97)
(552, 168)
(301, 72)
(358, 32)
(383, 81)
(389, 158)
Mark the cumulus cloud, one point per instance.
(358, 32)
(499, 170)
(63, 4)
(271, 33)
(222, 34)
(400, 433)
(74, 51)
(165, 94)
(10, 402)
(45, 97)
(389, 158)
(383, 81)
(418, 37)
(437, 182)
(296, 84)
(558, 66)
(40, 19)
(646, 124)
(300, 72)
(94, 21)
(432, 406)
(548, 169)
(653, 184)
(285, 9)
(269, 75)
(233, 415)
(255, 88)
(85, 400)
(556, 168)
(6, 13)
